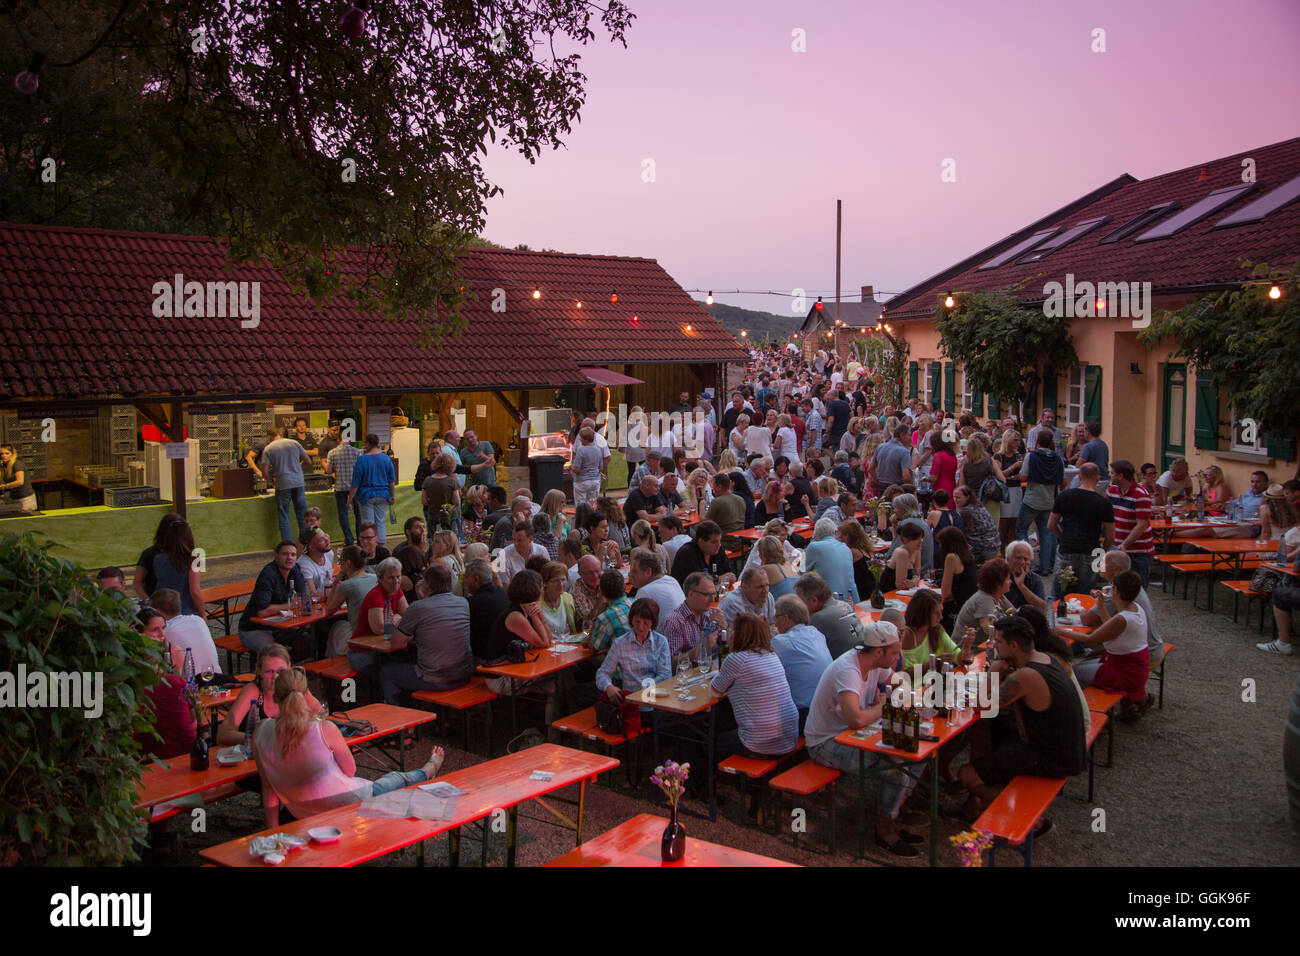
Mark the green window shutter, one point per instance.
(1280, 447)
(1049, 388)
(936, 376)
(950, 387)
(913, 374)
(1092, 393)
(977, 404)
(1207, 413)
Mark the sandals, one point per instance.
(900, 847)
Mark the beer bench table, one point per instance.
(636, 843)
(545, 662)
(223, 594)
(503, 783)
(1228, 554)
(663, 698)
(163, 784)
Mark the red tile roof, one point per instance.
(603, 332)
(77, 322)
(1199, 255)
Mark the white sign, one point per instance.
(177, 449)
(380, 423)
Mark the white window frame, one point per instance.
(1236, 445)
(1076, 388)
(967, 395)
(928, 395)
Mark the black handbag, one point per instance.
(517, 652)
(609, 718)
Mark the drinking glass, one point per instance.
(683, 670)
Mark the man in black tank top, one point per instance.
(1049, 718)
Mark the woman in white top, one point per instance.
(787, 441)
(446, 548)
(305, 762)
(1123, 666)
(556, 603)
(758, 441)
(736, 440)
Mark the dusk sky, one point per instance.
(752, 143)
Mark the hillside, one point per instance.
(759, 325)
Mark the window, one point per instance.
(1019, 248)
(1265, 205)
(967, 396)
(1064, 239)
(1236, 444)
(1196, 212)
(1076, 396)
(1142, 221)
(932, 372)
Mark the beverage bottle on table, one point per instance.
(187, 668)
(293, 598)
(388, 620)
(250, 724)
(1200, 507)
(167, 657)
(914, 730)
(887, 722)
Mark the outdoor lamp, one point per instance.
(1275, 293)
(1135, 368)
(537, 293)
(708, 299)
(949, 302)
(613, 297)
(818, 306)
(29, 79)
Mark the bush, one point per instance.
(67, 781)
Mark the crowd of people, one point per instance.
(989, 514)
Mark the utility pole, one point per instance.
(839, 219)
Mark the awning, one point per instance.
(603, 376)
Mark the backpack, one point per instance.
(993, 489)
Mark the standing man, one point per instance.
(682, 405)
(374, 485)
(282, 462)
(838, 411)
(635, 452)
(1047, 422)
(1044, 472)
(339, 462)
(333, 436)
(734, 410)
(1132, 507)
(892, 462)
(814, 425)
(306, 439)
(480, 458)
(1084, 521)
(1096, 451)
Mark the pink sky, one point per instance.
(753, 143)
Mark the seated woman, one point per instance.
(781, 574)
(553, 503)
(903, 569)
(618, 531)
(556, 602)
(305, 763)
(386, 594)
(960, 577)
(773, 506)
(851, 533)
(599, 543)
(753, 678)
(639, 655)
(174, 725)
(1217, 492)
(990, 601)
(446, 548)
(943, 515)
(1123, 667)
(923, 633)
(643, 540)
(271, 663)
(1277, 517)
(781, 532)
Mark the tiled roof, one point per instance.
(852, 314)
(603, 332)
(1199, 255)
(76, 317)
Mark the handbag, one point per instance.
(355, 728)
(517, 652)
(609, 717)
(992, 489)
(1264, 581)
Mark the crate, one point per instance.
(317, 482)
(108, 479)
(123, 447)
(131, 496)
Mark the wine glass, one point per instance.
(683, 670)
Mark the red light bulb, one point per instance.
(353, 23)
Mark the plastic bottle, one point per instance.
(187, 668)
(388, 620)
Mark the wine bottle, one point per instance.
(914, 730)
(887, 723)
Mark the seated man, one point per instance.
(587, 598)
(1046, 739)
(802, 651)
(837, 620)
(703, 554)
(850, 695)
(648, 578)
(185, 632)
(645, 503)
(415, 553)
(684, 627)
(438, 625)
(113, 579)
(672, 535)
(317, 560)
(520, 551)
(487, 603)
(521, 510)
(612, 621)
(754, 596)
(727, 510)
(271, 593)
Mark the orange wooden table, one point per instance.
(371, 642)
(503, 783)
(664, 697)
(227, 695)
(300, 620)
(1283, 569)
(636, 843)
(910, 763)
(545, 664)
(224, 594)
(1229, 553)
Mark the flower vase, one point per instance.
(673, 846)
(877, 599)
(199, 757)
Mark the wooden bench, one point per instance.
(584, 726)
(462, 699)
(1158, 671)
(747, 769)
(235, 650)
(209, 796)
(1242, 589)
(1194, 569)
(1012, 817)
(804, 780)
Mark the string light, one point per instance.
(949, 302)
(1275, 293)
(708, 299)
(688, 327)
(580, 305)
(537, 293)
(1101, 305)
(613, 297)
(353, 23)
(818, 307)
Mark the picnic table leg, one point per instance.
(862, 803)
(512, 825)
(225, 610)
(713, 784)
(401, 751)
(582, 799)
(453, 848)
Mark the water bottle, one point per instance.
(293, 598)
(187, 668)
(250, 723)
(388, 620)
(1051, 615)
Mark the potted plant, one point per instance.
(671, 779)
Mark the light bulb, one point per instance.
(29, 79)
(708, 299)
(949, 302)
(537, 293)
(1275, 293)
(353, 23)
(580, 305)
(613, 297)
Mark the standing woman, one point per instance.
(1010, 457)
(980, 529)
(15, 480)
(960, 579)
(440, 488)
(758, 439)
(173, 564)
(943, 466)
(787, 440)
(736, 439)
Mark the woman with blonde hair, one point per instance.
(475, 507)
(727, 461)
(976, 468)
(305, 763)
(447, 547)
(1277, 516)
(644, 541)
(781, 574)
(736, 439)
(553, 507)
(786, 441)
(1217, 492)
(272, 661)
(852, 534)
(698, 490)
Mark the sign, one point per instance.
(323, 405)
(241, 408)
(177, 449)
(29, 413)
(380, 423)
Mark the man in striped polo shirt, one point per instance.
(1132, 504)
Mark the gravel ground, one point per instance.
(1197, 783)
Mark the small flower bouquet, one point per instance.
(970, 845)
(1066, 579)
(671, 779)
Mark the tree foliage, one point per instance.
(68, 781)
(259, 121)
(1003, 345)
(1247, 341)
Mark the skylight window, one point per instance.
(1019, 249)
(1265, 205)
(1064, 239)
(1196, 212)
(1141, 222)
